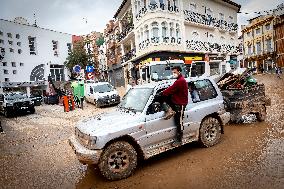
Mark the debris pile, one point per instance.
(237, 81)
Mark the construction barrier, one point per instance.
(68, 103)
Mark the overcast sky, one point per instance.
(83, 16)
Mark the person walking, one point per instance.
(178, 99)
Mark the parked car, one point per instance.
(37, 98)
(15, 102)
(101, 94)
(137, 128)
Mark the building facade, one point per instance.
(32, 54)
(189, 30)
(279, 35)
(258, 43)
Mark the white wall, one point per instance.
(45, 53)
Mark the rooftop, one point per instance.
(28, 25)
(124, 2)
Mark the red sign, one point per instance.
(90, 76)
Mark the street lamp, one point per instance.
(2, 53)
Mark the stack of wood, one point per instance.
(231, 81)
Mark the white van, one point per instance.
(101, 94)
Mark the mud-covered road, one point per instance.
(34, 153)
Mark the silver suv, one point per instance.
(137, 128)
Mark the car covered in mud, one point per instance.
(136, 129)
(15, 102)
(101, 94)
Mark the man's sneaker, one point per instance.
(176, 144)
(170, 113)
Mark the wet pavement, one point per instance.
(34, 153)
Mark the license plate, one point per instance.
(23, 108)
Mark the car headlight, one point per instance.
(31, 102)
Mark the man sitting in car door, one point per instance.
(178, 93)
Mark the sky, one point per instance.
(80, 17)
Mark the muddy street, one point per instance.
(34, 153)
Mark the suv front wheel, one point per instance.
(118, 161)
(210, 132)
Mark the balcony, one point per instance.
(128, 56)
(154, 7)
(159, 40)
(201, 46)
(209, 21)
(125, 31)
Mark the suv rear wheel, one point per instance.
(118, 161)
(210, 132)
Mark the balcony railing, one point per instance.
(156, 6)
(156, 40)
(208, 20)
(125, 31)
(211, 47)
(128, 56)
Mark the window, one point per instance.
(192, 7)
(14, 71)
(21, 64)
(1, 41)
(164, 29)
(11, 50)
(19, 44)
(13, 64)
(249, 50)
(258, 48)
(4, 63)
(267, 26)
(9, 35)
(221, 16)
(177, 31)
(91, 90)
(7, 79)
(1, 33)
(155, 29)
(55, 47)
(69, 47)
(6, 71)
(172, 29)
(268, 45)
(205, 89)
(32, 45)
(257, 31)
(20, 51)
(146, 32)
(18, 36)
(10, 42)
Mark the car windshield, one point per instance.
(136, 99)
(103, 88)
(163, 71)
(14, 96)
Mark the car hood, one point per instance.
(106, 123)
